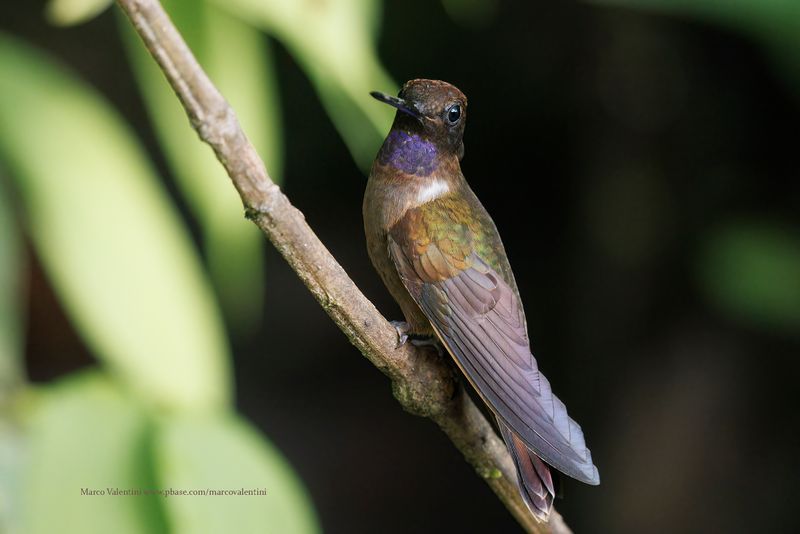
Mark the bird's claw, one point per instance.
(402, 328)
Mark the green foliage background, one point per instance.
(157, 411)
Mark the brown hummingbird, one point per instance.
(441, 257)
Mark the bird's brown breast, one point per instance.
(388, 197)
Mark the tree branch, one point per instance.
(423, 383)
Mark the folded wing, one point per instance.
(478, 317)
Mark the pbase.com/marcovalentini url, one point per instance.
(172, 492)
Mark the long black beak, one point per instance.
(399, 103)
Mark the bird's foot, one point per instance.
(405, 335)
(402, 328)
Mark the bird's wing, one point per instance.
(478, 317)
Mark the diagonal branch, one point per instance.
(423, 383)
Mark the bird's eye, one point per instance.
(454, 114)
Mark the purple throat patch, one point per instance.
(408, 153)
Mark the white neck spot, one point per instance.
(437, 188)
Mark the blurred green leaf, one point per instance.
(68, 12)
(752, 271)
(334, 42)
(225, 453)
(84, 433)
(233, 246)
(11, 372)
(13, 454)
(12, 443)
(116, 252)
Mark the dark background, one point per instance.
(610, 146)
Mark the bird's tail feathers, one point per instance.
(535, 479)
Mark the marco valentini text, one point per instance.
(170, 492)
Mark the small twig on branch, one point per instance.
(423, 383)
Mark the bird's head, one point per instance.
(433, 109)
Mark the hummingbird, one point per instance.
(439, 254)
